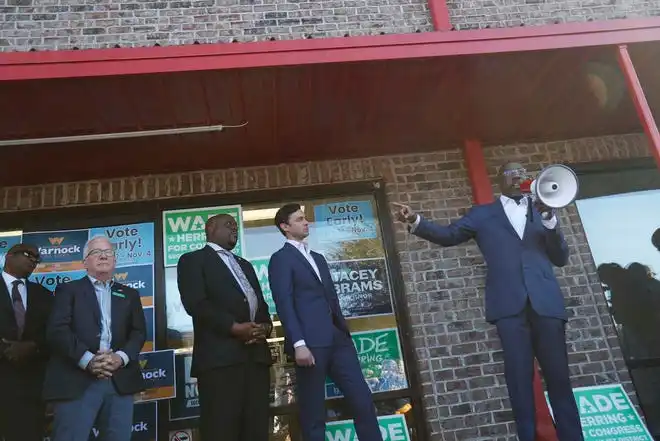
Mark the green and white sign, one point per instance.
(392, 428)
(183, 230)
(261, 268)
(379, 352)
(607, 414)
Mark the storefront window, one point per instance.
(623, 232)
(348, 233)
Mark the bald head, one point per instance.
(222, 230)
(512, 174)
(21, 260)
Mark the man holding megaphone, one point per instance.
(519, 237)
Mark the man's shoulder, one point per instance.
(38, 288)
(193, 255)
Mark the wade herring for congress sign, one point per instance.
(392, 428)
(607, 414)
(184, 230)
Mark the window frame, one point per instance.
(127, 212)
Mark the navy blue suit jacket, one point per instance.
(74, 327)
(517, 269)
(307, 307)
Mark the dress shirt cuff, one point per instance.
(123, 356)
(85, 359)
(412, 227)
(551, 223)
(299, 343)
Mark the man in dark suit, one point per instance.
(316, 333)
(25, 307)
(231, 358)
(520, 241)
(96, 332)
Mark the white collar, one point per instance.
(97, 281)
(217, 248)
(302, 246)
(9, 279)
(505, 200)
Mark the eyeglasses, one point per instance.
(99, 253)
(33, 257)
(515, 173)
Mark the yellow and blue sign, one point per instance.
(7, 240)
(139, 277)
(60, 250)
(50, 280)
(159, 374)
(133, 244)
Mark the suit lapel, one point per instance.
(32, 303)
(5, 302)
(224, 272)
(90, 296)
(501, 215)
(304, 261)
(117, 305)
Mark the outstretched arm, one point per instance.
(455, 233)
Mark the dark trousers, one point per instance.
(101, 404)
(340, 363)
(22, 418)
(525, 336)
(234, 403)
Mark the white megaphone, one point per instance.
(555, 187)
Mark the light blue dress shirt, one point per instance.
(103, 292)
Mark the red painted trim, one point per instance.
(639, 99)
(127, 61)
(439, 15)
(545, 427)
(482, 191)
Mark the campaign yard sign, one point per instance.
(392, 428)
(186, 403)
(183, 230)
(343, 221)
(7, 240)
(379, 353)
(159, 373)
(362, 287)
(261, 268)
(607, 414)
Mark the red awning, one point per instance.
(319, 99)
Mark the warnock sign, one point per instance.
(183, 230)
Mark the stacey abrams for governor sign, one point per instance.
(362, 287)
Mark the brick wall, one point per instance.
(480, 14)
(65, 24)
(458, 353)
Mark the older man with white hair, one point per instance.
(96, 331)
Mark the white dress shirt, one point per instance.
(22, 288)
(303, 247)
(225, 258)
(515, 212)
(225, 255)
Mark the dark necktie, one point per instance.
(19, 308)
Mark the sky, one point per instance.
(619, 228)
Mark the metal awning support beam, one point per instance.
(639, 99)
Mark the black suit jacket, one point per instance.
(75, 327)
(212, 297)
(25, 379)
